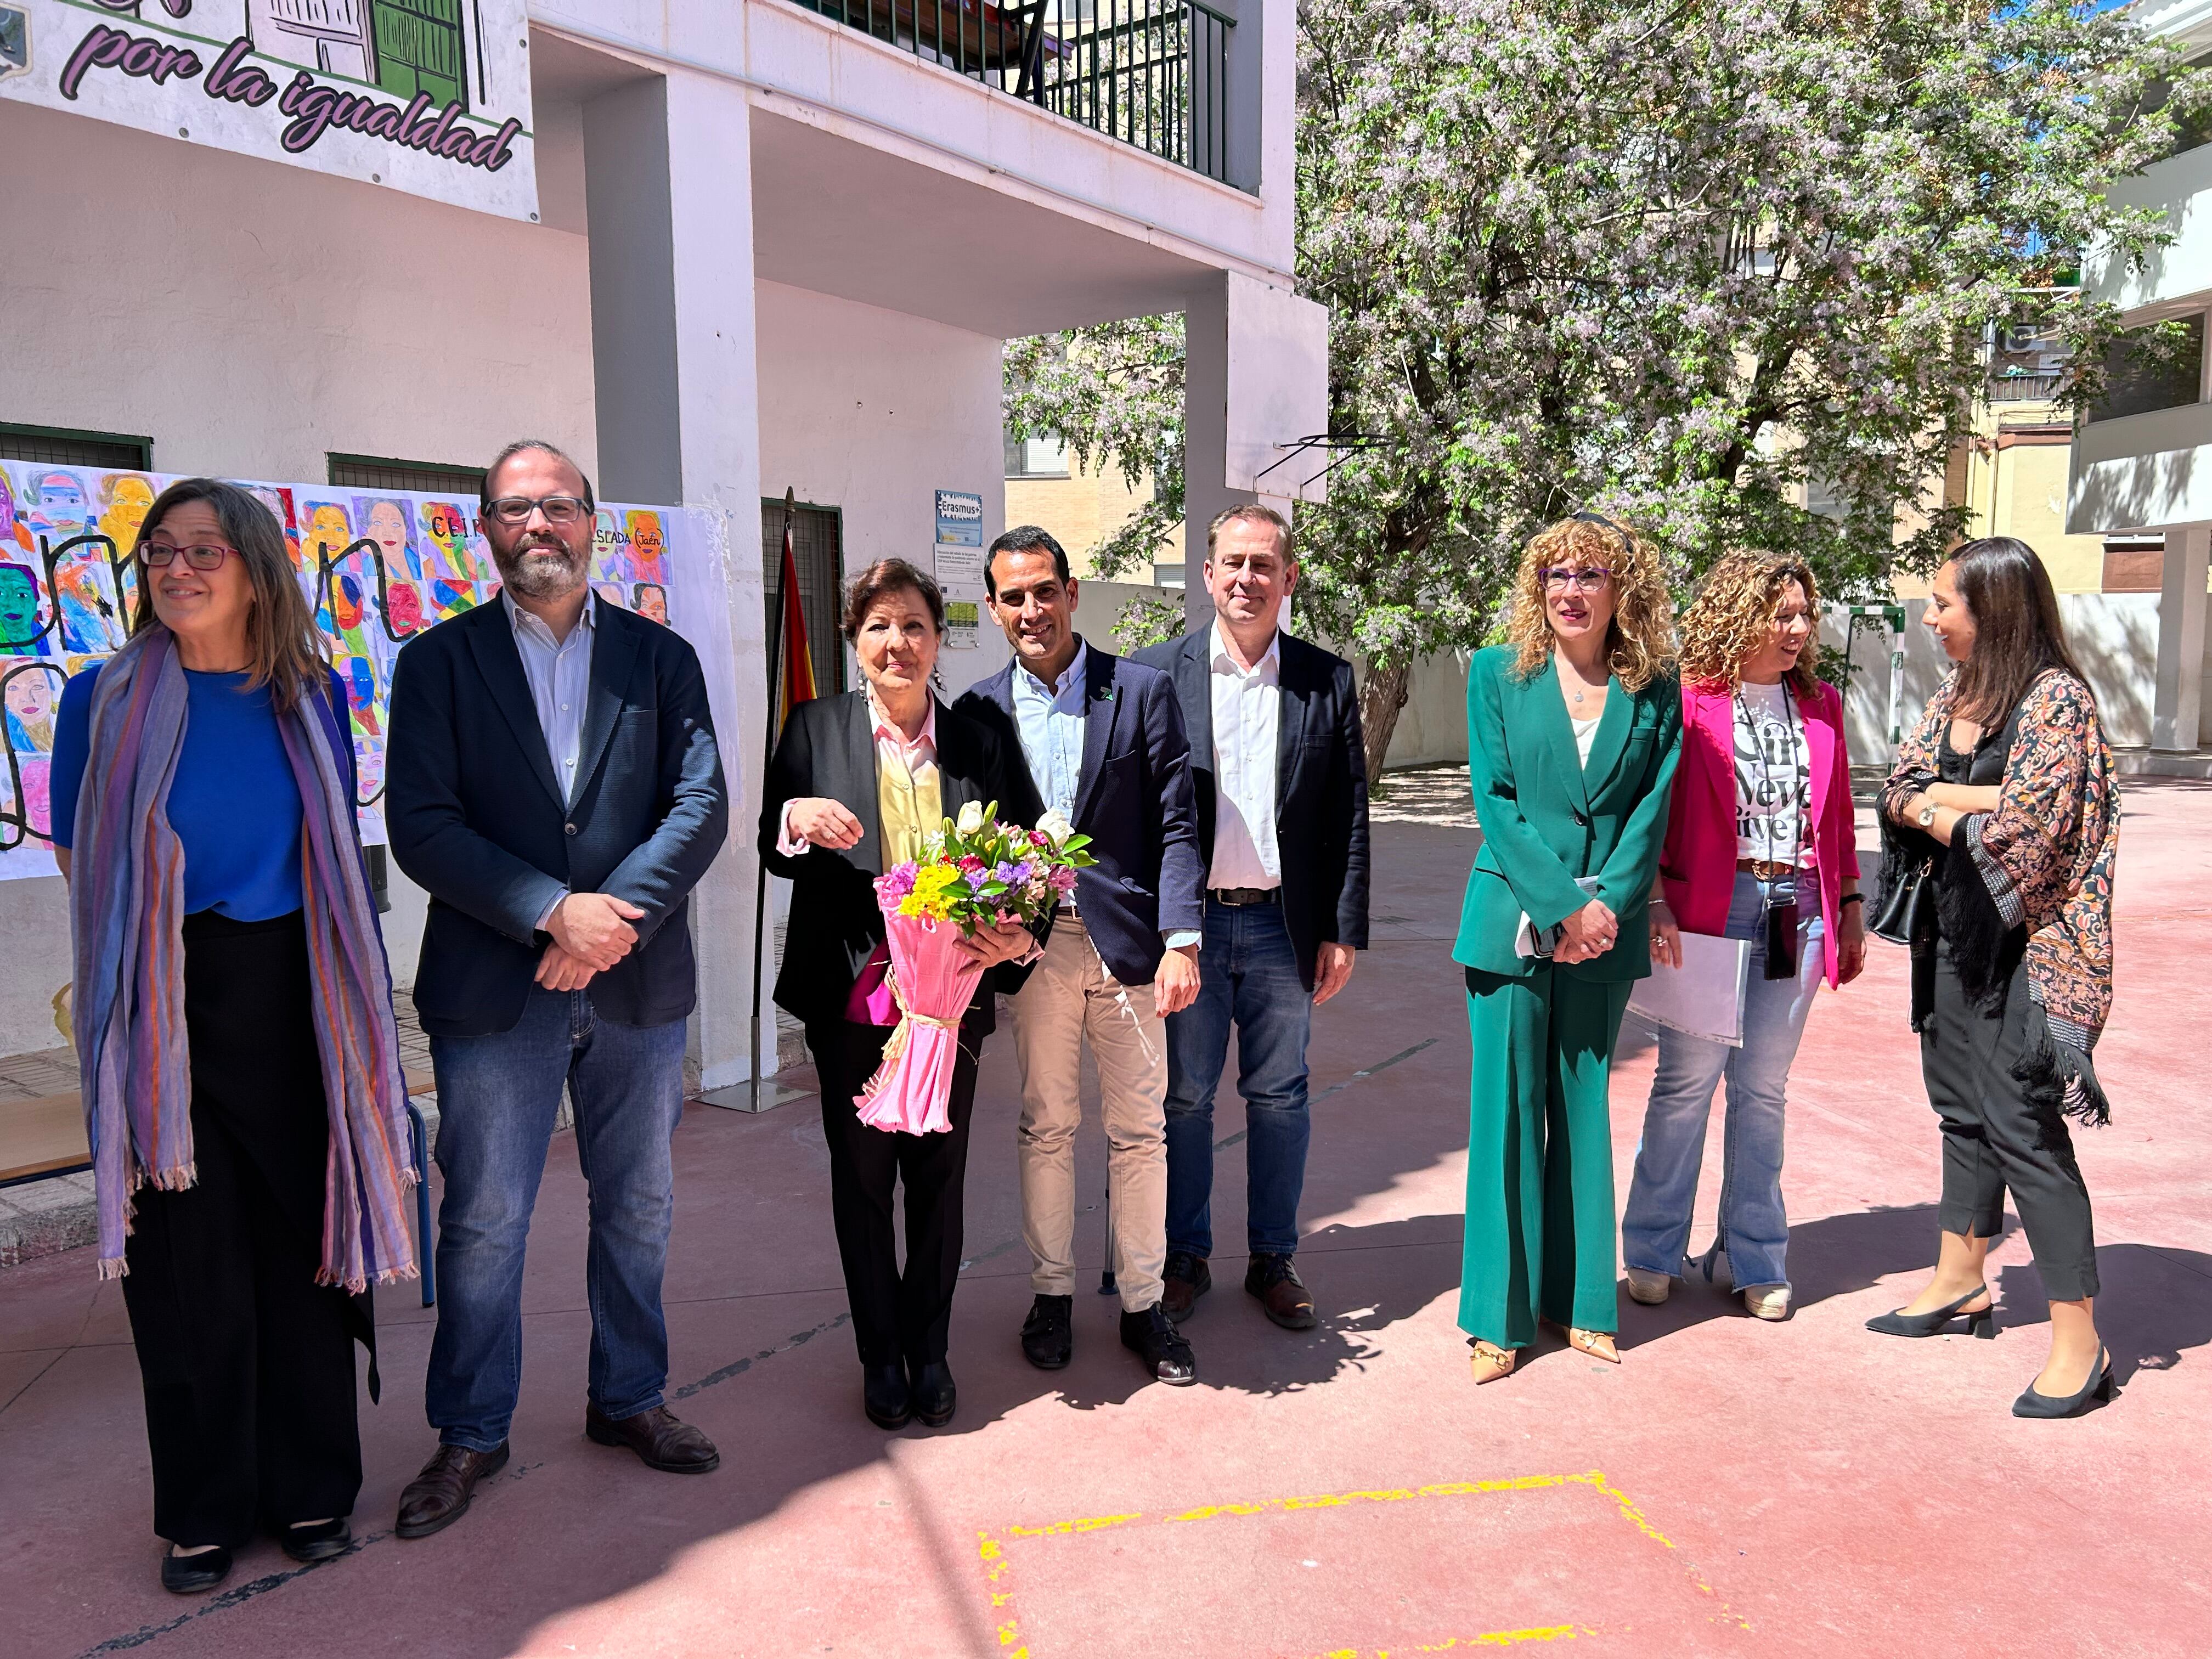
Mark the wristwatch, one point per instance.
(1926, 816)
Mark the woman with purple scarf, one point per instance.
(242, 1090)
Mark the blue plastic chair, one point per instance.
(425, 1246)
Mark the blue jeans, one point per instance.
(1249, 974)
(497, 1097)
(1754, 1229)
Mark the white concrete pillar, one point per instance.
(2177, 713)
(1206, 438)
(668, 177)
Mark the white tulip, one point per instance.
(971, 818)
(1055, 828)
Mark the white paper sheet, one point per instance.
(1702, 998)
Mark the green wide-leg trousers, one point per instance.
(1540, 1228)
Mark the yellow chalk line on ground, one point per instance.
(993, 1553)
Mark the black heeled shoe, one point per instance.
(2099, 1386)
(194, 1575)
(1982, 1322)
(884, 1396)
(319, 1542)
(935, 1397)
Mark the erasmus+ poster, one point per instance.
(428, 96)
(378, 568)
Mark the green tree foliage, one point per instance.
(1675, 261)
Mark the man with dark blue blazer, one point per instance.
(1279, 772)
(1105, 751)
(553, 783)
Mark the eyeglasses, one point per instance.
(159, 555)
(516, 509)
(1589, 579)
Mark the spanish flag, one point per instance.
(798, 659)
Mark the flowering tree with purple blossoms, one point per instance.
(1686, 264)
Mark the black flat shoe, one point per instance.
(1153, 1337)
(2099, 1386)
(1048, 1334)
(1980, 1322)
(935, 1398)
(195, 1574)
(884, 1396)
(318, 1541)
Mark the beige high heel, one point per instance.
(1598, 1345)
(1489, 1361)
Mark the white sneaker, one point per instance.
(1648, 1287)
(1767, 1301)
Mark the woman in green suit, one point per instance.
(1573, 728)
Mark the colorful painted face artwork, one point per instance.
(377, 569)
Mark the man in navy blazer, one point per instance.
(1106, 754)
(553, 783)
(1280, 776)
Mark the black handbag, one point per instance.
(1904, 909)
(1907, 911)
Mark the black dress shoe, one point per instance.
(194, 1575)
(884, 1396)
(661, 1439)
(1153, 1337)
(1048, 1334)
(1187, 1279)
(318, 1541)
(1275, 1279)
(934, 1396)
(442, 1493)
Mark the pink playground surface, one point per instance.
(1733, 1488)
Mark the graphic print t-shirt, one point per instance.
(1773, 779)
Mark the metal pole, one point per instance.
(768, 756)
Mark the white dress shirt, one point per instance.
(1246, 718)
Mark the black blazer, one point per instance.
(476, 817)
(1321, 784)
(1132, 798)
(829, 749)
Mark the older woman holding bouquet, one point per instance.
(1759, 847)
(858, 782)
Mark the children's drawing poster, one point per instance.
(377, 568)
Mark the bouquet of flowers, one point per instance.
(974, 873)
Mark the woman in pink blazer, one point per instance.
(1759, 846)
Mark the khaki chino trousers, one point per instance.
(1071, 996)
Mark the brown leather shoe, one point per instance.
(1275, 1279)
(440, 1496)
(1187, 1279)
(661, 1440)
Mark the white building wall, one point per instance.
(251, 317)
(871, 412)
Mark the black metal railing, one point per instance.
(1152, 73)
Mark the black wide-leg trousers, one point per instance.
(1997, 1139)
(247, 1363)
(895, 1314)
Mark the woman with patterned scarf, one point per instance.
(242, 1090)
(2005, 794)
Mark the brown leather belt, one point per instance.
(1764, 869)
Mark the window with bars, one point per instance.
(817, 549)
(61, 445)
(417, 478)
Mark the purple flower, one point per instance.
(1014, 875)
(897, 881)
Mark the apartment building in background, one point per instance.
(719, 250)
